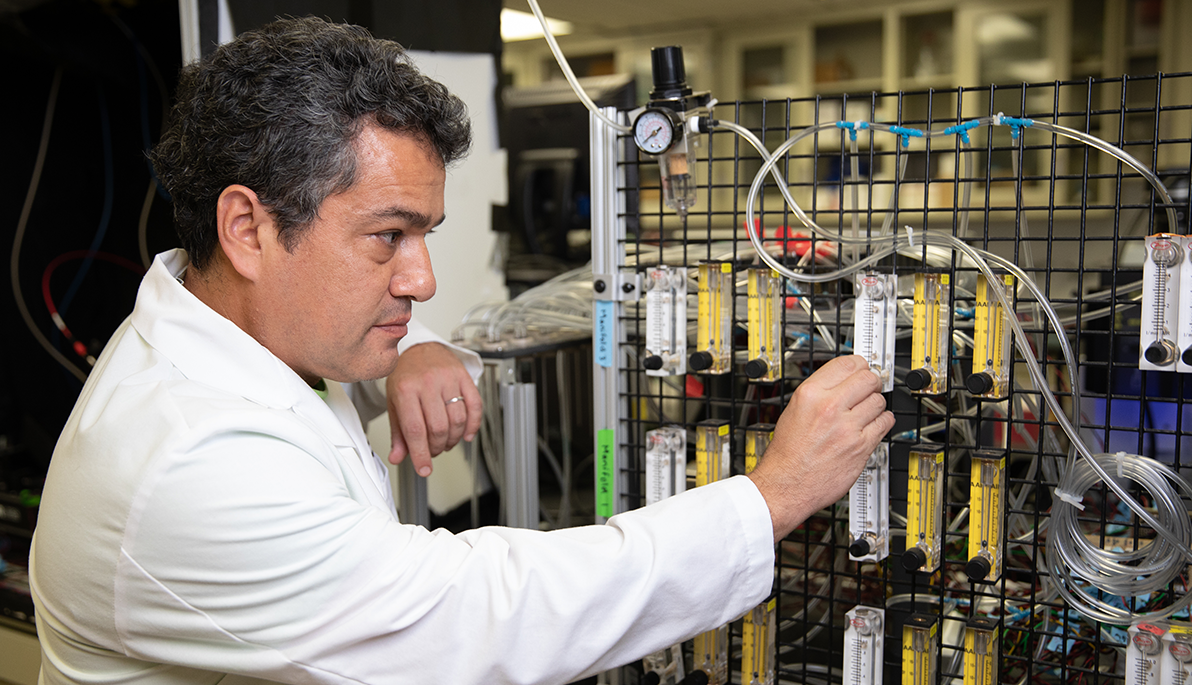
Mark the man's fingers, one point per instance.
(837, 370)
(475, 411)
(857, 387)
(457, 421)
(398, 451)
(414, 431)
(875, 430)
(438, 423)
(869, 407)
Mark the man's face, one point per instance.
(337, 305)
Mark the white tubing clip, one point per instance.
(1071, 498)
(910, 236)
(1120, 458)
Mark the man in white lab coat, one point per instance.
(213, 513)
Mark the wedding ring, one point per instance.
(453, 400)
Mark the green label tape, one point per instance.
(606, 441)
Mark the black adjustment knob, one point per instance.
(860, 547)
(652, 678)
(1159, 352)
(756, 368)
(978, 568)
(979, 383)
(918, 379)
(670, 75)
(1155, 353)
(700, 361)
(1187, 356)
(653, 362)
(914, 558)
(696, 677)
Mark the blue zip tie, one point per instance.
(906, 133)
(962, 130)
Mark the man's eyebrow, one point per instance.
(409, 216)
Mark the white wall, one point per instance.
(462, 249)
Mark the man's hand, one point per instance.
(422, 416)
(823, 438)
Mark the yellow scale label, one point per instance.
(757, 645)
(715, 283)
(918, 657)
(989, 347)
(985, 513)
(922, 498)
(757, 439)
(926, 320)
(764, 337)
(711, 446)
(929, 328)
(980, 660)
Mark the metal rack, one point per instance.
(1072, 217)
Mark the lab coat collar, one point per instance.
(208, 348)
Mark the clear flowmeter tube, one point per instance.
(712, 463)
(765, 324)
(758, 633)
(1160, 301)
(920, 645)
(864, 646)
(930, 342)
(666, 463)
(666, 321)
(924, 510)
(991, 340)
(869, 509)
(1176, 663)
(715, 324)
(759, 629)
(875, 318)
(757, 439)
(712, 451)
(987, 494)
(981, 651)
(666, 475)
(1144, 653)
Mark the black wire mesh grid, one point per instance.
(1073, 217)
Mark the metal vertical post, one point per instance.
(611, 288)
(520, 494)
(413, 505)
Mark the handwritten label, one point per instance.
(606, 471)
(605, 313)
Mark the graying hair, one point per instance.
(278, 111)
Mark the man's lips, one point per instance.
(394, 326)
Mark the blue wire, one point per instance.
(109, 193)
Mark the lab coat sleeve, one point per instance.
(369, 396)
(246, 554)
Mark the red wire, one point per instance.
(79, 348)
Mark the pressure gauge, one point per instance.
(656, 131)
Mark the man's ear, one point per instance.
(242, 223)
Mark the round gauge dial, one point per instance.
(654, 131)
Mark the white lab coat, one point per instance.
(206, 513)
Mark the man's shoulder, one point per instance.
(140, 405)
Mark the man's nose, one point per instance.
(413, 276)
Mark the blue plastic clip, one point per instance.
(1014, 123)
(962, 130)
(852, 127)
(906, 133)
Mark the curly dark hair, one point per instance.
(278, 111)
